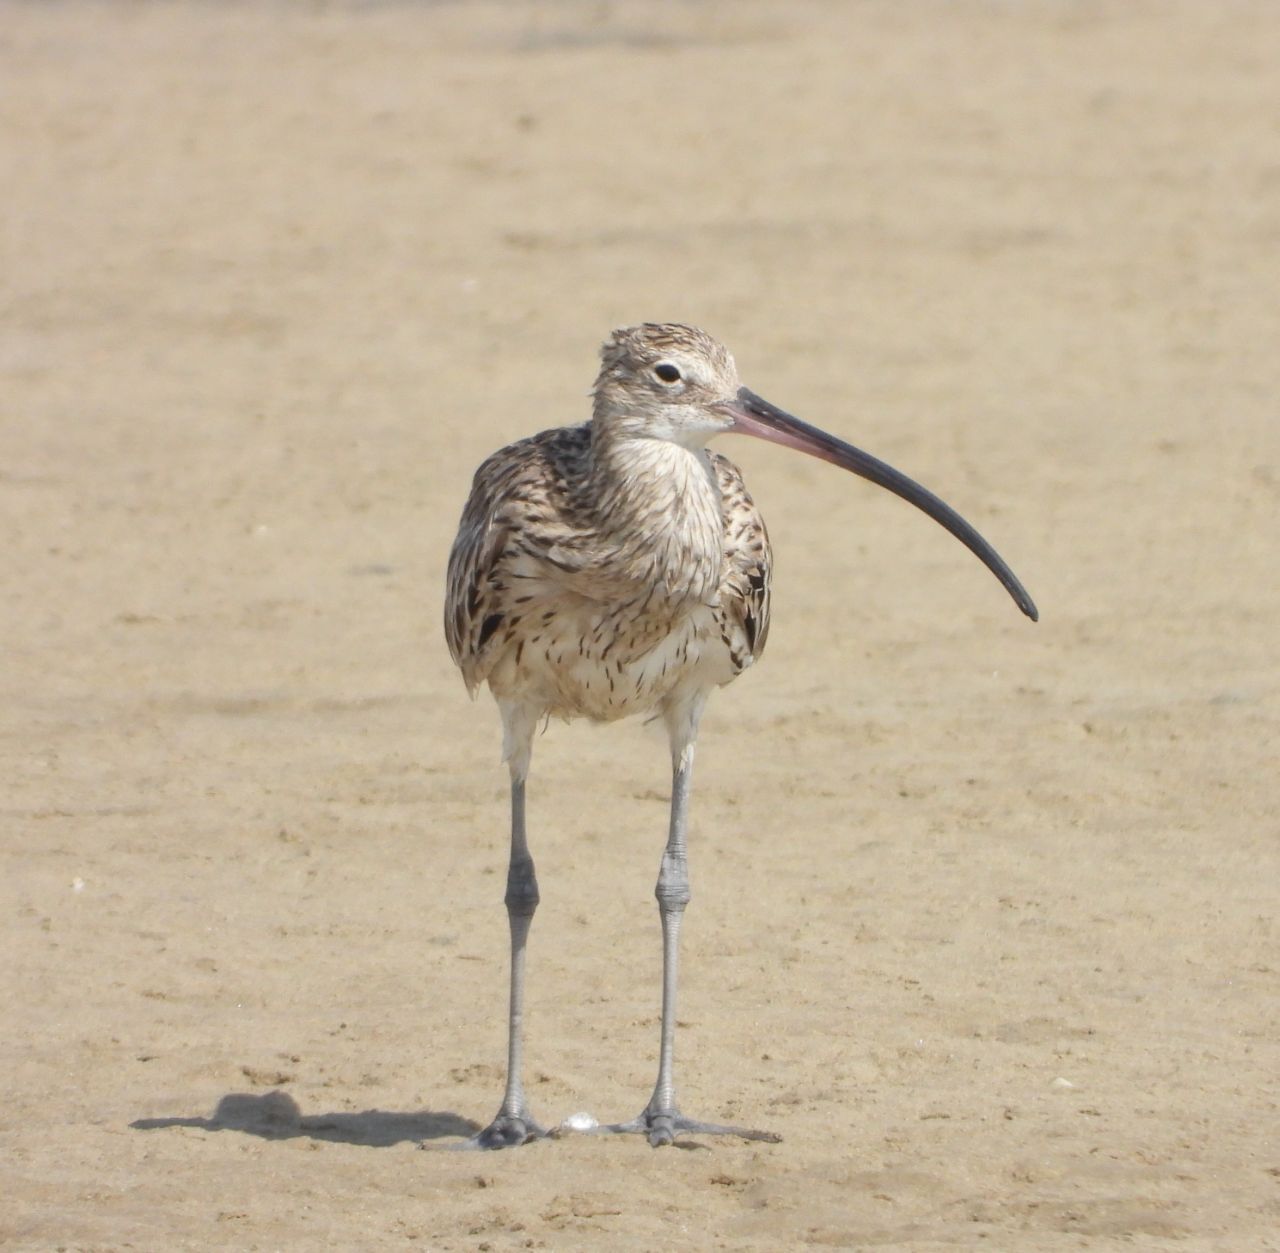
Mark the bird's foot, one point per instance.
(662, 1126)
(506, 1131)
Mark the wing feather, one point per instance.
(522, 497)
(748, 558)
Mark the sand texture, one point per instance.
(985, 913)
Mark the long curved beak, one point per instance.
(753, 415)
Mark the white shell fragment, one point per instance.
(581, 1121)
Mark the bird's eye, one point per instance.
(667, 372)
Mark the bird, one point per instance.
(620, 567)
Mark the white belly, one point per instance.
(596, 663)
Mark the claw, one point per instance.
(507, 1131)
(661, 1129)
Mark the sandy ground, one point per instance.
(277, 277)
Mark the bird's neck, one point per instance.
(659, 504)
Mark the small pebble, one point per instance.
(580, 1122)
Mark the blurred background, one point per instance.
(277, 277)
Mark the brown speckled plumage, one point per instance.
(597, 572)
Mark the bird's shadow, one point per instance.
(277, 1116)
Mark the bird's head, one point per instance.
(664, 381)
(668, 381)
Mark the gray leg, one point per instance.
(513, 1123)
(661, 1120)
